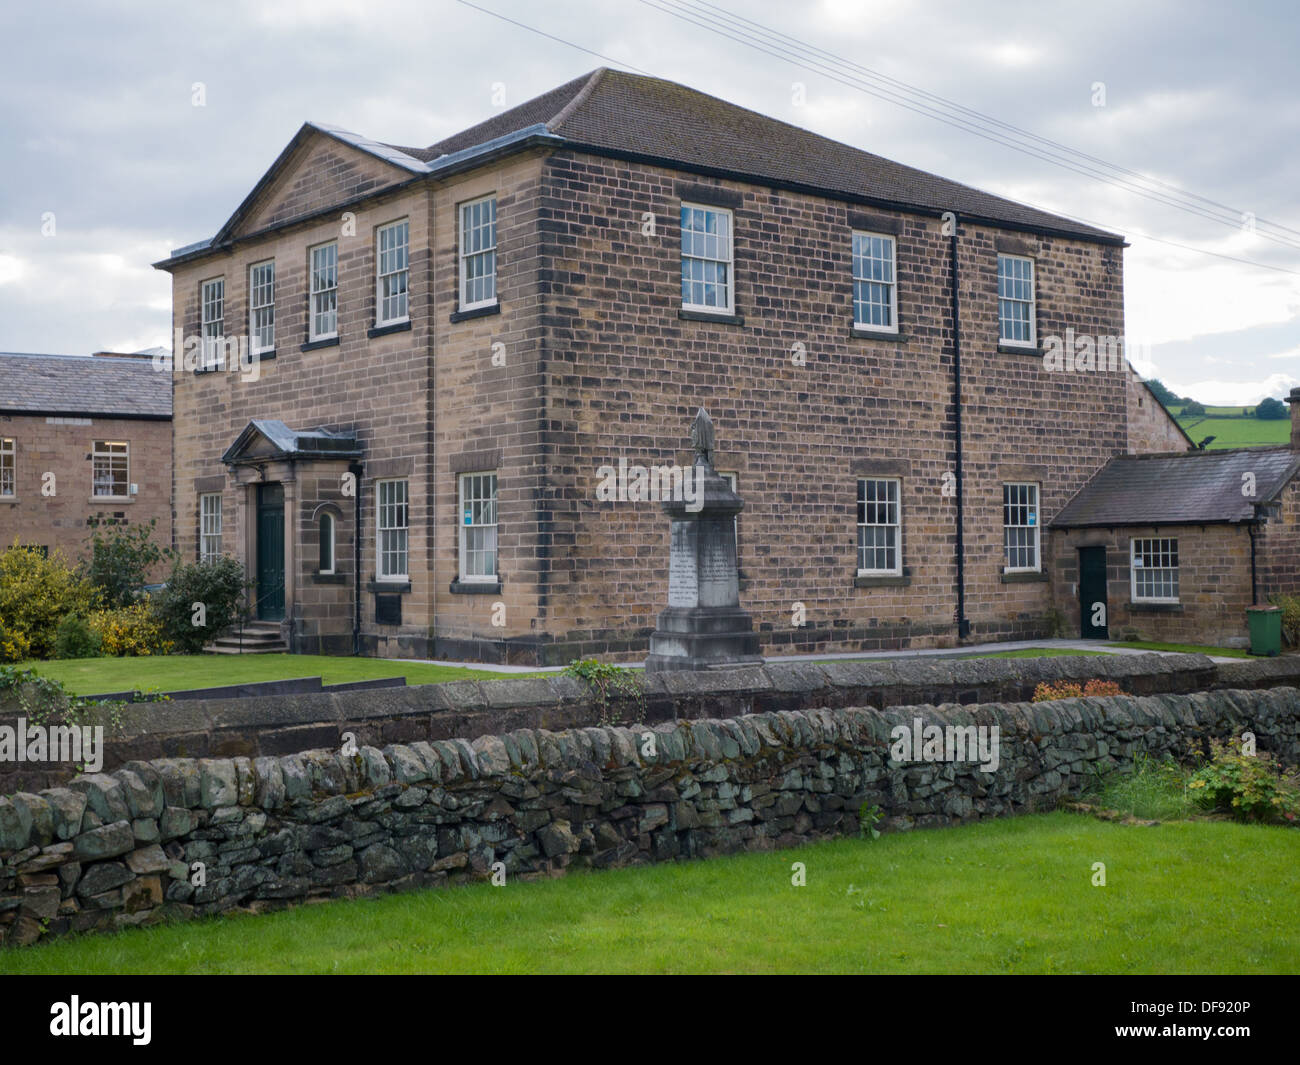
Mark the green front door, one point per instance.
(270, 552)
(1092, 594)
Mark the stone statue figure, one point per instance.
(702, 438)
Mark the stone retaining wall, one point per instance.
(119, 849)
(276, 725)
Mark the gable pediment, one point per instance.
(269, 440)
(317, 170)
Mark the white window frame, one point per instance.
(209, 526)
(97, 453)
(398, 267)
(314, 293)
(1133, 567)
(8, 468)
(477, 253)
(729, 262)
(384, 513)
(896, 525)
(321, 521)
(1034, 513)
(261, 299)
(891, 284)
(462, 527)
(1032, 302)
(212, 323)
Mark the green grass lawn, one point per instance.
(1007, 896)
(92, 676)
(1185, 648)
(1231, 429)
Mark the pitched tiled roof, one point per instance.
(613, 110)
(1198, 487)
(81, 385)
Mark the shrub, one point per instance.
(130, 631)
(121, 559)
(1068, 689)
(219, 586)
(36, 593)
(1290, 605)
(14, 646)
(1272, 410)
(1248, 786)
(74, 638)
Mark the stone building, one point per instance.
(83, 439)
(402, 371)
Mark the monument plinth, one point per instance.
(704, 626)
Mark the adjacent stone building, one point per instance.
(83, 439)
(402, 371)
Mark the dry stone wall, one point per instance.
(184, 838)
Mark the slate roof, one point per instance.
(84, 386)
(614, 110)
(1192, 488)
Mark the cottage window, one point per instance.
(1020, 528)
(110, 470)
(878, 527)
(393, 527)
(324, 322)
(707, 259)
(478, 527)
(1016, 316)
(392, 272)
(1155, 571)
(261, 307)
(210, 526)
(478, 253)
(875, 294)
(7, 466)
(212, 329)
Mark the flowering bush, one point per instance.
(36, 593)
(1068, 689)
(130, 630)
(1248, 786)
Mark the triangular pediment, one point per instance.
(319, 169)
(269, 440)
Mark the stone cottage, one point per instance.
(401, 372)
(83, 439)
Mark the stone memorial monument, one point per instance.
(704, 626)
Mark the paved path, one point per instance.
(937, 652)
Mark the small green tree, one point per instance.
(1194, 409)
(1271, 410)
(121, 558)
(201, 601)
(74, 638)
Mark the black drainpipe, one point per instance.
(1254, 582)
(355, 470)
(963, 624)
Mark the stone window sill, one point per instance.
(475, 312)
(316, 345)
(459, 587)
(721, 318)
(1019, 349)
(328, 578)
(862, 332)
(389, 587)
(116, 501)
(8, 499)
(884, 580)
(391, 327)
(1155, 608)
(262, 356)
(1024, 577)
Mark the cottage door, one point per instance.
(1093, 607)
(270, 552)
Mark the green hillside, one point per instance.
(1231, 428)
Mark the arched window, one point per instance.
(327, 543)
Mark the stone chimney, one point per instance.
(1294, 400)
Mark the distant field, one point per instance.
(1230, 428)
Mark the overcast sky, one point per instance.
(99, 131)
